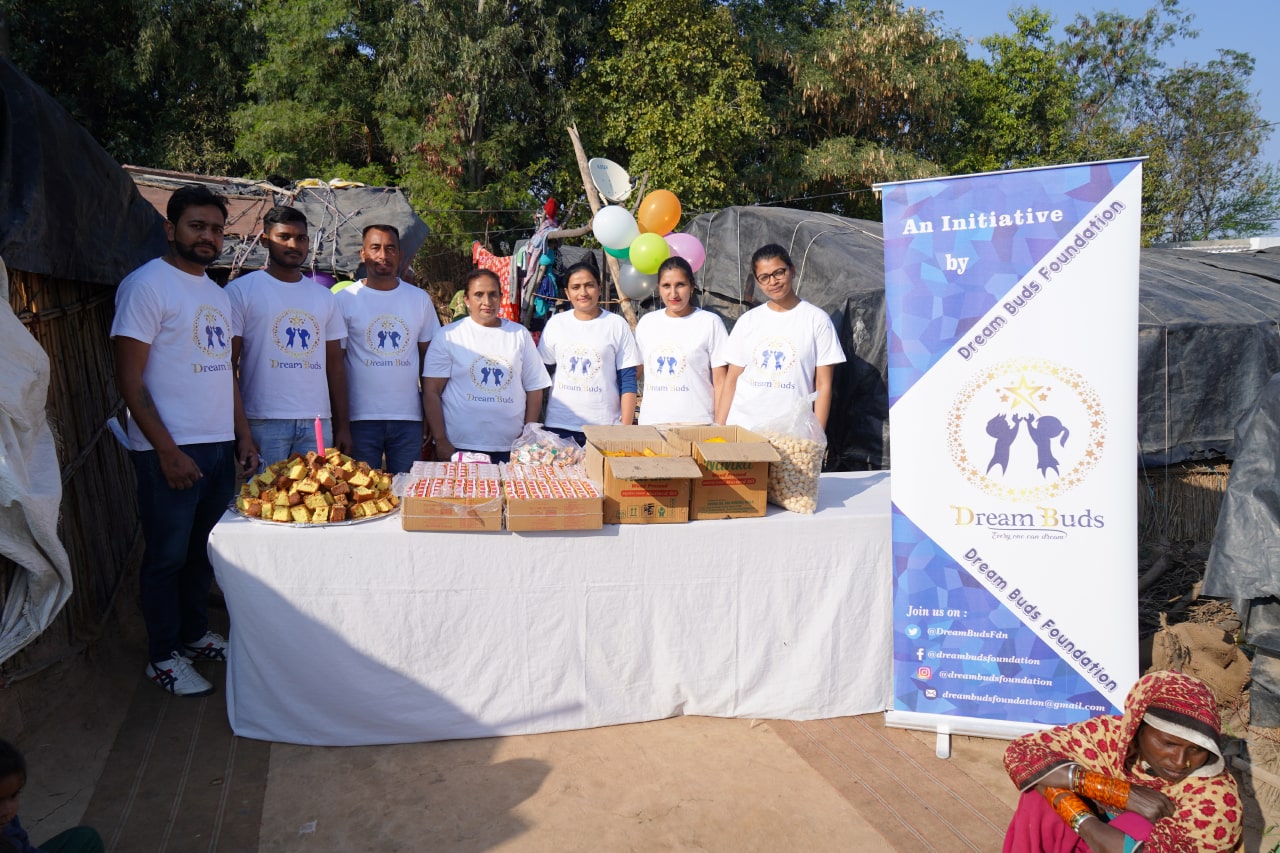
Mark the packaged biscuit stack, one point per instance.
(452, 496)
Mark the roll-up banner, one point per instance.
(1012, 303)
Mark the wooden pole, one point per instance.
(625, 307)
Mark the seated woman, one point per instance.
(680, 345)
(594, 357)
(483, 379)
(1151, 780)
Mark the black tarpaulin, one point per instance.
(1207, 335)
(67, 209)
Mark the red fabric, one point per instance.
(1036, 828)
(501, 267)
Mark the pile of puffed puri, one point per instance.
(314, 489)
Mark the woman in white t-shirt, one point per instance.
(779, 352)
(483, 379)
(683, 369)
(595, 359)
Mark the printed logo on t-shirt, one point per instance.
(387, 335)
(773, 357)
(580, 362)
(490, 374)
(296, 333)
(210, 332)
(665, 365)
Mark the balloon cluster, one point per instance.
(642, 242)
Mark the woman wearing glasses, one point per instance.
(779, 352)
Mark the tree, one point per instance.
(673, 94)
(140, 75)
(871, 96)
(1210, 133)
(311, 110)
(1017, 110)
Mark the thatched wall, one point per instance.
(1181, 502)
(99, 523)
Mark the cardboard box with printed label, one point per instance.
(733, 464)
(639, 489)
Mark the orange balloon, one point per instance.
(659, 213)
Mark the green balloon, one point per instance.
(621, 254)
(648, 251)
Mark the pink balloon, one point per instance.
(688, 247)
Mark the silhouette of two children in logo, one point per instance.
(1042, 433)
(575, 362)
(300, 332)
(210, 331)
(776, 355)
(668, 362)
(494, 373)
(384, 335)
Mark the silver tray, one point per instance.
(236, 512)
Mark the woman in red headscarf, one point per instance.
(1151, 780)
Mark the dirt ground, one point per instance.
(154, 772)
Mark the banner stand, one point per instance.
(1012, 308)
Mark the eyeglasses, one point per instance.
(777, 275)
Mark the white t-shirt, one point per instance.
(679, 353)
(384, 328)
(284, 327)
(779, 351)
(588, 355)
(490, 370)
(187, 321)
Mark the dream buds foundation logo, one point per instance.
(1026, 430)
(490, 374)
(296, 333)
(667, 363)
(387, 336)
(209, 332)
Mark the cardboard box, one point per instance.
(640, 489)
(483, 514)
(734, 472)
(555, 514)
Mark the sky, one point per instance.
(1250, 26)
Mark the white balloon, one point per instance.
(635, 284)
(614, 226)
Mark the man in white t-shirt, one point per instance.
(186, 430)
(286, 347)
(389, 326)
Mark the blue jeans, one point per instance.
(400, 441)
(175, 576)
(280, 438)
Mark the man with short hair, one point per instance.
(286, 347)
(389, 326)
(186, 430)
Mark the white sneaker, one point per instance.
(209, 647)
(178, 676)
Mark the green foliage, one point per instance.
(1017, 110)
(152, 81)
(1209, 135)
(870, 95)
(674, 95)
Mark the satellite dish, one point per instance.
(611, 180)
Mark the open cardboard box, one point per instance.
(640, 489)
(734, 472)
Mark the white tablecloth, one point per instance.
(367, 634)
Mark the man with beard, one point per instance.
(286, 346)
(389, 325)
(186, 429)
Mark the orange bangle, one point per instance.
(1069, 807)
(1103, 789)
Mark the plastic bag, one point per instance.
(802, 444)
(537, 446)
